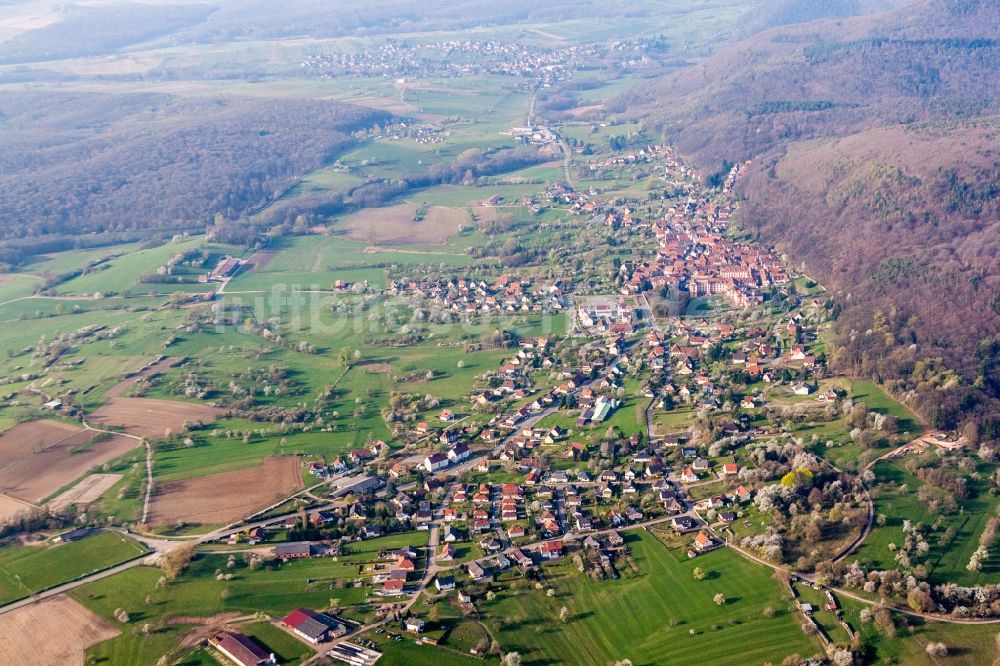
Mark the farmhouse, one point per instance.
(293, 551)
(75, 535)
(393, 587)
(312, 626)
(241, 649)
(226, 268)
(683, 523)
(476, 571)
(688, 475)
(704, 543)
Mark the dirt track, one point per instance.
(219, 499)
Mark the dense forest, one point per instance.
(78, 163)
(904, 223)
(874, 143)
(789, 12)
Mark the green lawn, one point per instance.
(676, 420)
(968, 645)
(661, 615)
(410, 653)
(878, 401)
(275, 590)
(123, 273)
(288, 649)
(28, 569)
(895, 496)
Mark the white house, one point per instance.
(435, 462)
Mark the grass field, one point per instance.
(18, 286)
(895, 496)
(661, 615)
(275, 590)
(288, 649)
(28, 569)
(878, 401)
(319, 261)
(968, 645)
(123, 272)
(411, 653)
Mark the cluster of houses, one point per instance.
(435, 462)
(605, 315)
(536, 136)
(322, 469)
(522, 558)
(697, 258)
(458, 59)
(650, 153)
(506, 295)
(395, 578)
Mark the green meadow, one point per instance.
(661, 613)
(895, 497)
(275, 590)
(25, 570)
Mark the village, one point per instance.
(535, 66)
(666, 405)
(545, 478)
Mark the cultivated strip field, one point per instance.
(31, 437)
(261, 259)
(147, 417)
(224, 497)
(87, 491)
(397, 224)
(40, 457)
(120, 389)
(11, 507)
(39, 475)
(26, 634)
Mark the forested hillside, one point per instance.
(788, 12)
(78, 163)
(905, 223)
(875, 147)
(930, 60)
